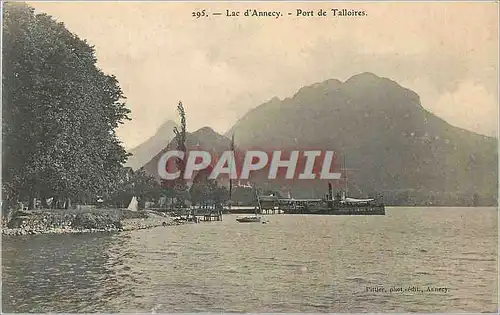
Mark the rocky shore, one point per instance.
(84, 221)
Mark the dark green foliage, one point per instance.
(59, 112)
(202, 139)
(207, 192)
(180, 136)
(139, 184)
(179, 186)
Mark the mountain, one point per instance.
(203, 139)
(391, 144)
(143, 152)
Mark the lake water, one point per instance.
(296, 263)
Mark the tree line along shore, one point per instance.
(60, 114)
(86, 221)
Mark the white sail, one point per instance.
(133, 204)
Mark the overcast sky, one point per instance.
(221, 67)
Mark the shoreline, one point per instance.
(28, 231)
(72, 221)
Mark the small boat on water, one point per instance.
(255, 218)
(249, 219)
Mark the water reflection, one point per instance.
(294, 264)
(63, 273)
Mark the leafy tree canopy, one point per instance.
(60, 111)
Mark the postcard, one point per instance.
(249, 157)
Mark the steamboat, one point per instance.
(339, 204)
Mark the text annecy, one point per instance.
(257, 13)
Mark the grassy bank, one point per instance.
(83, 221)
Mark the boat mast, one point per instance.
(259, 205)
(230, 168)
(345, 178)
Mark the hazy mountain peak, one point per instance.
(143, 152)
(365, 76)
(368, 79)
(204, 131)
(392, 141)
(166, 126)
(202, 139)
(208, 135)
(374, 91)
(320, 87)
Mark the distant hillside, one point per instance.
(202, 139)
(143, 152)
(392, 144)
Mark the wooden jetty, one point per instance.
(243, 210)
(217, 216)
(268, 204)
(207, 214)
(265, 205)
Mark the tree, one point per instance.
(180, 135)
(200, 190)
(144, 187)
(138, 184)
(120, 194)
(59, 112)
(179, 185)
(220, 195)
(205, 191)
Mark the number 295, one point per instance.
(199, 14)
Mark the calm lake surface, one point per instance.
(296, 263)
